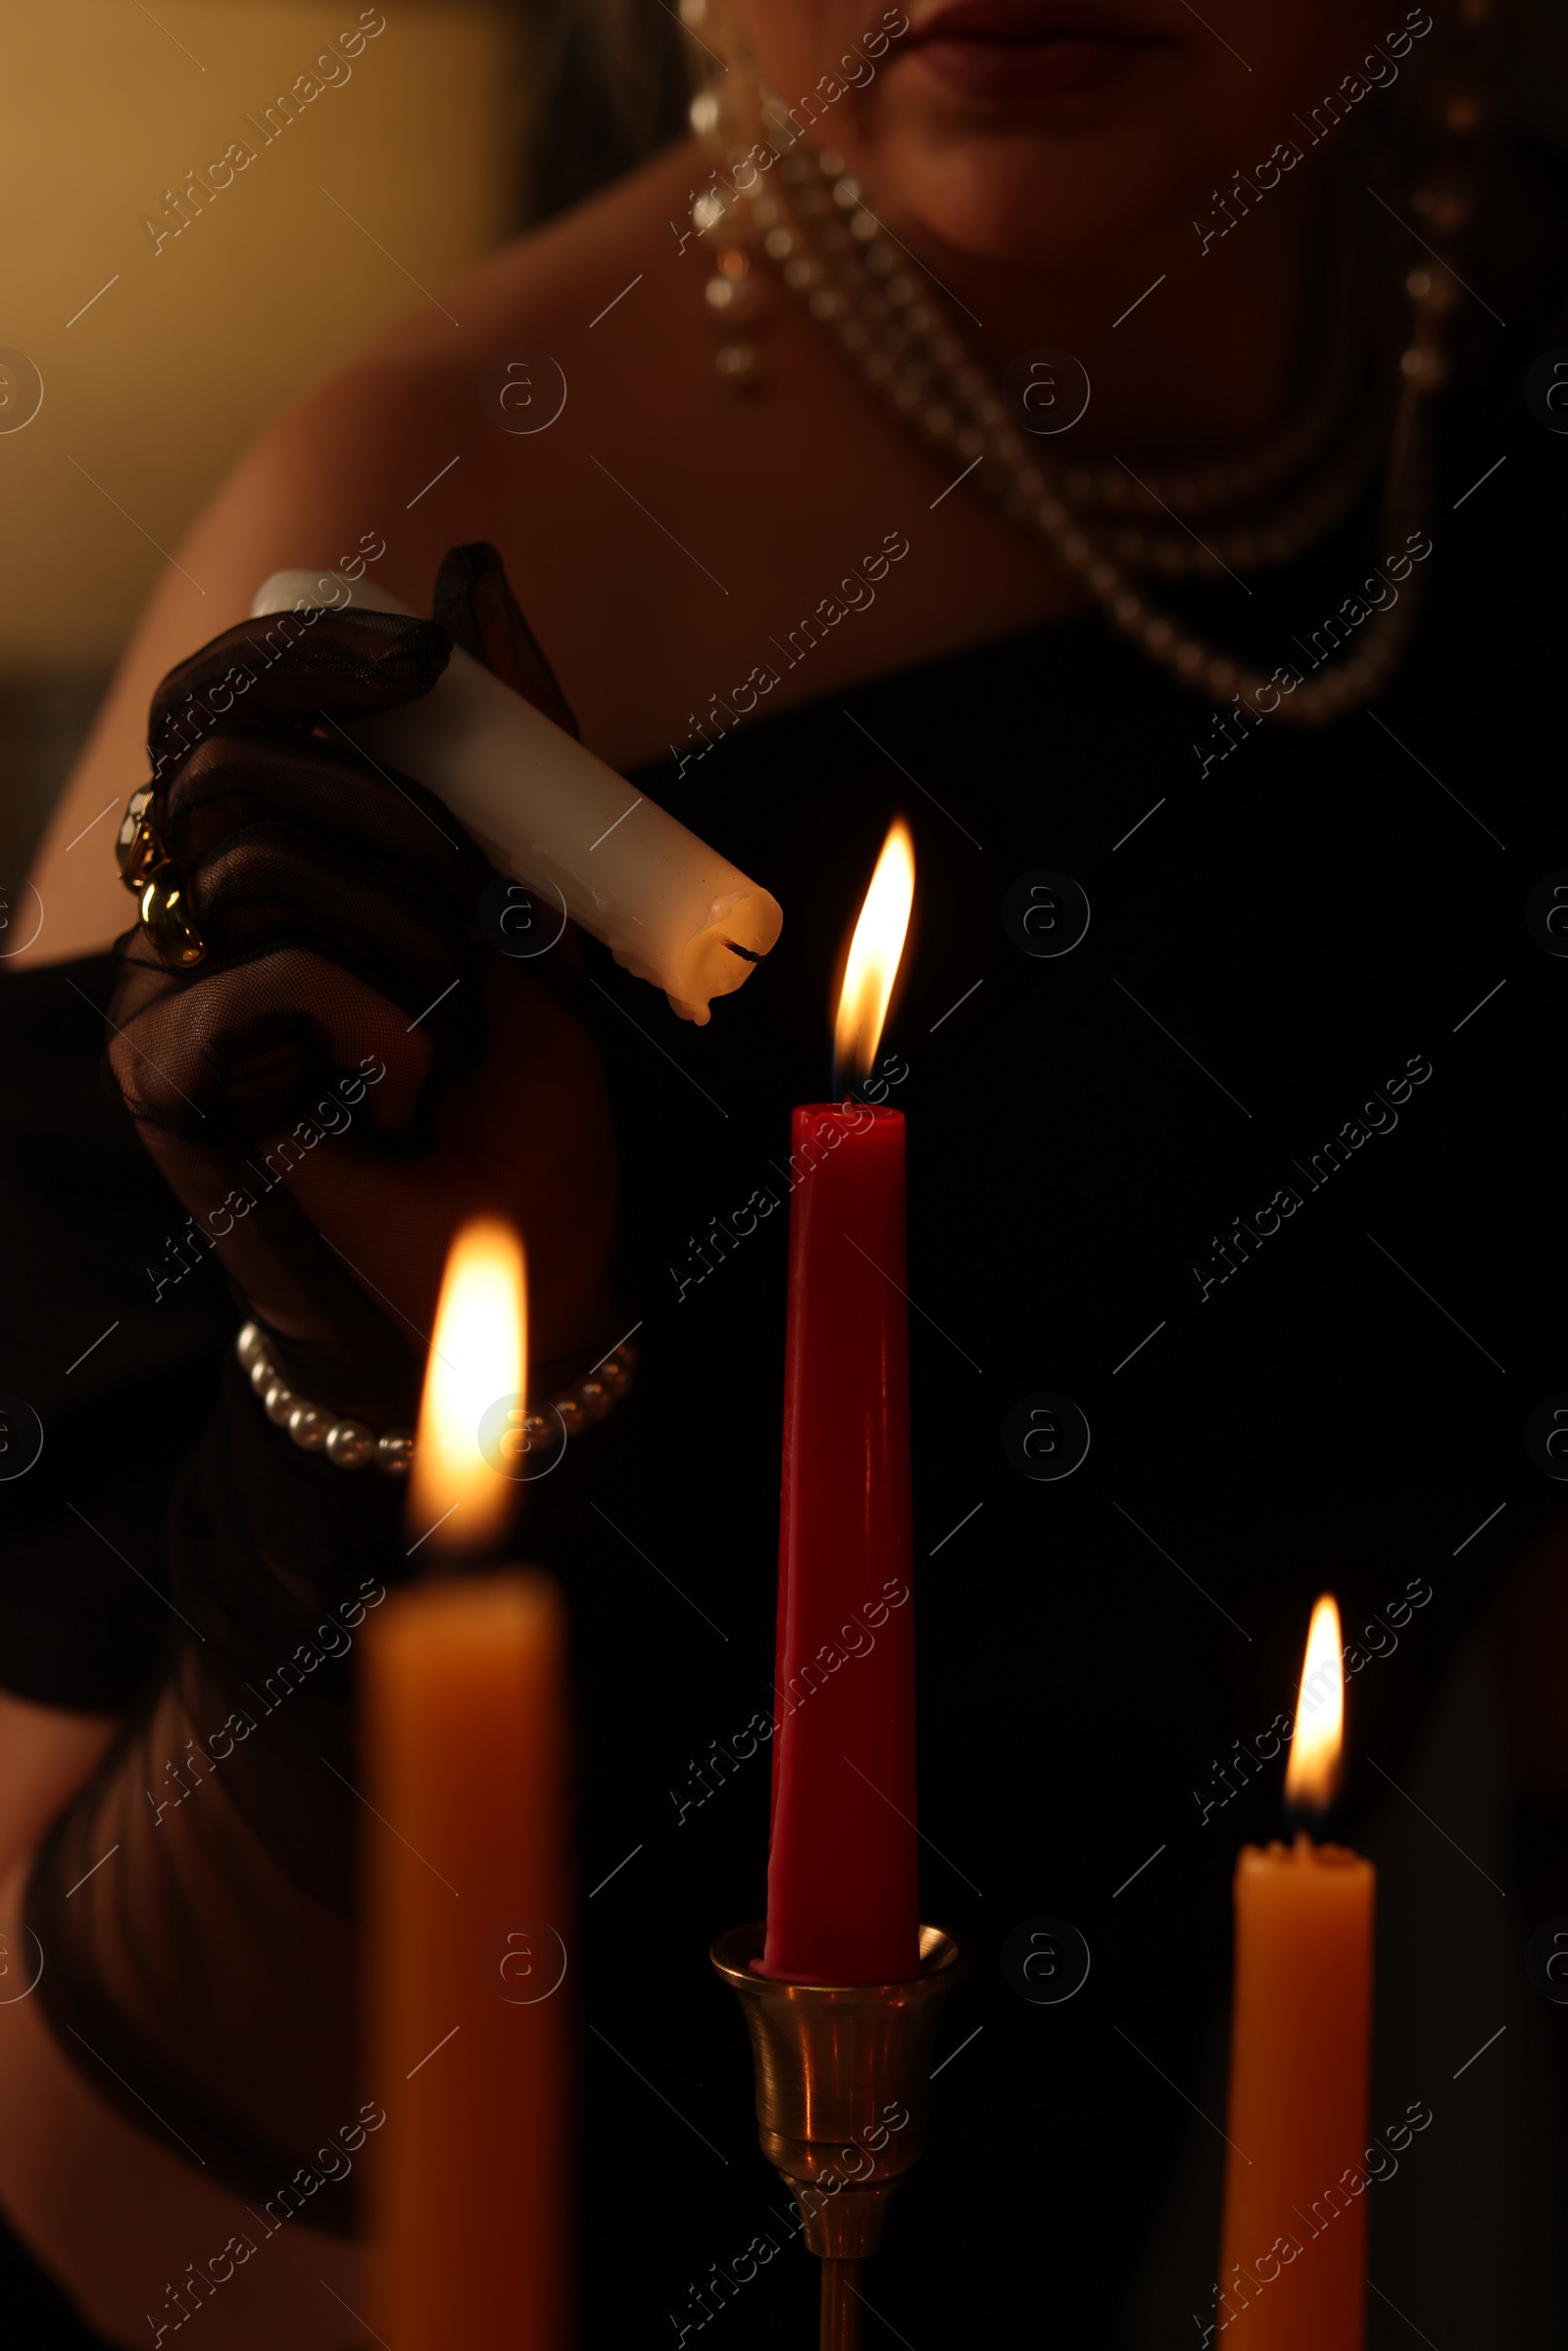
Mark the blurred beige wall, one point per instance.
(156, 387)
(182, 352)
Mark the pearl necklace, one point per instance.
(835, 257)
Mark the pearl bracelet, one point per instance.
(351, 1445)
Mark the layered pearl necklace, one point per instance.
(1106, 523)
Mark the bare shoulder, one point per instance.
(526, 344)
(664, 533)
(661, 530)
(475, 415)
(395, 457)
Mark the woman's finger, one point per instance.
(333, 793)
(227, 1055)
(293, 669)
(272, 884)
(473, 602)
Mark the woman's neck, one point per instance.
(1190, 350)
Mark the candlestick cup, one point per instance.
(843, 2099)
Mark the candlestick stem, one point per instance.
(840, 2307)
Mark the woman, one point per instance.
(1224, 647)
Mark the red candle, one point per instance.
(842, 1894)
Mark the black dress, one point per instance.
(1261, 1176)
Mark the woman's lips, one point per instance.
(989, 50)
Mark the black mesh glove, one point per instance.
(338, 904)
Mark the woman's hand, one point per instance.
(348, 1072)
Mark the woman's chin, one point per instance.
(1024, 201)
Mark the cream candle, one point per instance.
(548, 813)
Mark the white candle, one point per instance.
(548, 813)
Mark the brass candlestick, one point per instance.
(843, 2099)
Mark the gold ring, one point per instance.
(137, 845)
(146, 868)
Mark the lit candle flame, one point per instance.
(873, 963)
(479, 1355)
(1312, 1774)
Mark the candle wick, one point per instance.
(1304, 1824)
